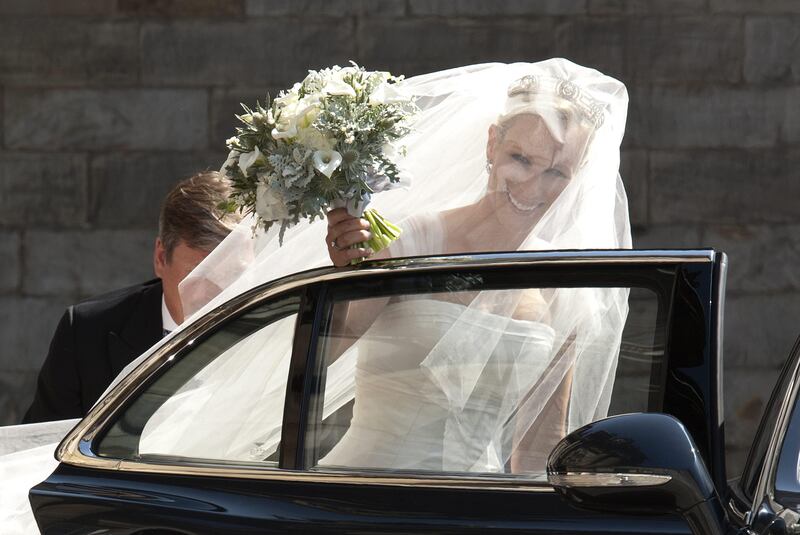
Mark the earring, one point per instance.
(488, 166)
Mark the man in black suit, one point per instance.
(97, 338)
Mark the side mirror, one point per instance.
(637, 463)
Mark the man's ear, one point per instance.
(159, 258)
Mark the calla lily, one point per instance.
(232, 157)
(270, 205)
(326, 161)
(294, 115)
(249, 159)
(386, 94)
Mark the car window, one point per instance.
(472, 374)
(787, 471)
(221, 400)
(788, 475)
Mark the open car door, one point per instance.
(258, 418)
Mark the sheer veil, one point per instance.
(446, 156)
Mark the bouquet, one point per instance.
(325, 143)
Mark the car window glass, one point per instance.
(757, 456)
(222, 400)
(787, 474)
(431, 382)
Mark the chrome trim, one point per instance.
(75, 449)
(738, 513)
(578, 480)
(350, 477)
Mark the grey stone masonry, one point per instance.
(325, 8)
(756, 335)
(42, 190)
(685, 49)
(772, 49)
(223, 53)
(105, 104)
(440, 43)
(109, 119)
(716, 116)
(482, 8)
(84, 263)
(10, 261)
(87, 51)
(763, 259)
(730, 186)
(646, 7)
(22, 322)
(126, 189)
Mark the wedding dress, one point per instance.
(403, 420)
(447, 158)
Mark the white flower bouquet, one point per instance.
(325, 143)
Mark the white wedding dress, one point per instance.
(404, 415)
(403, 419)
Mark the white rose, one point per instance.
(326, 161)
(270, 205)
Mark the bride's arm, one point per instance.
(350, 319)
(536, 441)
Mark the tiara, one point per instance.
(530, 85)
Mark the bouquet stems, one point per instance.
(383, 233)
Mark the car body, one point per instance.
(612, 476)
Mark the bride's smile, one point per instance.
(528, 169)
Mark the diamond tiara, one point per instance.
(530, 85)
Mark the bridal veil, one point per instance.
(446, 158)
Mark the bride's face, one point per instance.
(529, 167)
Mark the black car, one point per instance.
(655, 465)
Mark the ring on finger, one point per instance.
(335, 245)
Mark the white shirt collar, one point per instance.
(166, 318)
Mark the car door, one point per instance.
(766, 499)
(221, 432)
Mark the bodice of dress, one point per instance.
(403, 418)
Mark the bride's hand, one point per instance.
(345, 230)
(532, 306)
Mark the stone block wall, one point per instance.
(105, 103)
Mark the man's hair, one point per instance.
(191, 213)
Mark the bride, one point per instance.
(503, 157)
(541, 361)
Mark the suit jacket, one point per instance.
(93, 342)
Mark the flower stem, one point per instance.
(383, 233)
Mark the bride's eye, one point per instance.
(552, 171)
(521, 158)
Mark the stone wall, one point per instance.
(104, 104)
